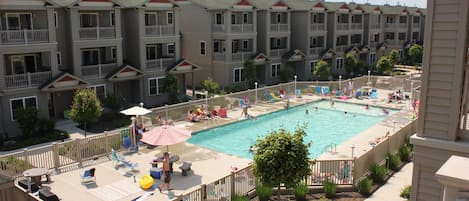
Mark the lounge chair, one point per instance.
(298, 92)
(319, 90)
(120, 159)
(268, 97)
(338, 93)
(275, 96)
(88, 176)
(242, 103)
(325, 91)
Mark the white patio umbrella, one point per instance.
(135, 111)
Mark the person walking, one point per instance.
(167, 173)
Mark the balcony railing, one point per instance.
(316, 27)
(357, 26)
(27, 80)
(341, 48)
(99, 70)
(159, 30)
(315, 50)
(279, 27)
(95, 33)
(342, 27)
(219, 56)
(395, 42)
(159, 64)
(242, 28)
(278, 52)
(375, 26)
(416, 26)
(403, 26)
(241, 56)
(219, 28)
(390, 26)
(24, 36)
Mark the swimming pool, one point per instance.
(325, 125)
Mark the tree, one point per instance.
(282, 158)
(384, 65)
(351, 64)
(286, 74)
(394, 57)
(28, 120)
(322, 70)
(170, 86)
(85, 107)
(250, 73)
(415, 52)
(210, 86)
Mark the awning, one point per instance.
(125, 72)
(294, 55)
(328, 53)
(183, 66)
(382, 46)
(354, 50)
(259, 58)
(64, 82)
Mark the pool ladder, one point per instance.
(332, 147)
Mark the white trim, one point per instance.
(23, 99)
(59, 58)
(56, 20)
(157, 85)
(240, 75)
(96, 86)
(19, 21)
(341, 63)
(205, 48)
(167, 17)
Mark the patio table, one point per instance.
(35, 174)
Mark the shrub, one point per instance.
(404, 153)
(239, 198)
(364, 186)
(405, 193)
(330, 189)
(264, 192)
(393, 162)
(300, 191)
(378, 173)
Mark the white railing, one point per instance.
(95, 33)
(277, 52)
(159, 30)
(242, 28)
(278, 27)
(24, 36)
(390, 25)
(416, 26)
(342, 27)
(160, 64)
(357, 26)
(375, 26)
(373, 44)
(316, 27)
(341, 48)
(219, 56)
(99, 70)
(402, 25)
(27, 80)
(241, 56)
(219, 28)
(315, 50)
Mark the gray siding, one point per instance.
(300, 26)
(132, 36)
(263, 21)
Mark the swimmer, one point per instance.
(306, 112)
(386, 112)
(316, 108)
(345, 112)
(367, 107)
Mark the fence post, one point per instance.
(232, 183)
(55, 153)
(26, 156)
(203, 192)
(78, 151)
(106, 140)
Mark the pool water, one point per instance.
(325, 125)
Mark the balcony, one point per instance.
(95, 33)
(416, 26)
(159, 30)
(342, 27)
(159, 64)
(403, 26)
(341, 48)
(278, 52)
(357, 26)
(375, 26)
(242, 28)
(11, 37)
(390, 26)
(315, 50)
(217, 28)
(316, 27)
(241, 56)
(219, 56)
(395, 42)
(27, 80)
(99, 70)
(279, 28)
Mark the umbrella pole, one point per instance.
(167, 148)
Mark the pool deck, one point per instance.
(117, 182)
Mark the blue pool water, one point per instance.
(325, 125)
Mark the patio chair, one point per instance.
(319, 90)
(120, 159)
(275, 96)
(325, 91)
(269, 98)
(88, 176)
(298, 92)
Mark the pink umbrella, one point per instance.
(166, 135)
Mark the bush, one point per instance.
(330, 189)
(239, 198)
(405, 193)
(364, 186)
(378, 173)
(113, 102)
(393, 162)
(264, 192)
(404, 153)
(300, 191)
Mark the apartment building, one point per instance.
(442, 127)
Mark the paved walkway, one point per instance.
(392, 189)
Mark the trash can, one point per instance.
(156, 172)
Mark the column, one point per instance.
(117, 26)
(141, 30)
(2, 71)
(228, 21)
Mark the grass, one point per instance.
(107, 121)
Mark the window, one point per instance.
(154, 85)
(218, 18)
(90, 57)
(245, 18)
(279, 18)
(113, 53)
(278, 42)
(238, 75)
(56, 22)
(312, 65)
(372, 57)
(245, 44)
(202, 48)
(216, 46)
(275, 70)
(151, 19)
(112, 18)
(21, 64)
(169, 18)
(59, 58)
(19, 21)
(389, 36)
(151, 52)
(339, 63)
(233, 19)
(390, 20)
(99, 90)
(89, 20)
(314, 19)
(21, 103)
(402, 36)
(171, 49)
